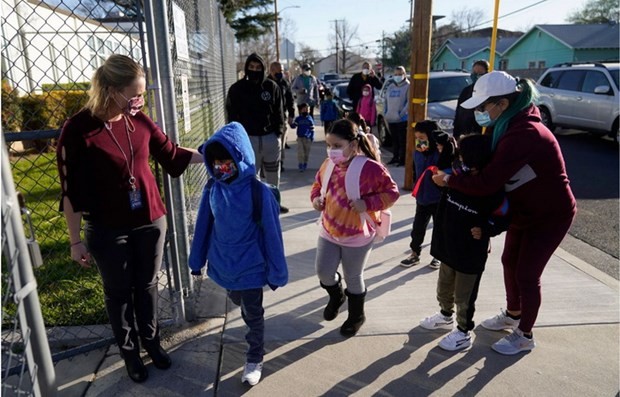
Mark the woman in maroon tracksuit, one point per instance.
(528, 163)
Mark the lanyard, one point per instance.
(130, 165)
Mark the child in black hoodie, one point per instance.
(461, 235)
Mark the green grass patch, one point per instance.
(69, 294)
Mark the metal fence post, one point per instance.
(39, 358)
(162, 51)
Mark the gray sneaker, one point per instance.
(514, 343)
(500, 322)
(412, 260)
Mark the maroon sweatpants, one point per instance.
(526, 253)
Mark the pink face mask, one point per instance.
(134, 105)
(336, 156)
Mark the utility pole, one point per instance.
(337, 60)
(418, 93)
(275, 10)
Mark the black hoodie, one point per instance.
(257, 105)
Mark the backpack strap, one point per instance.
(352, 188)
(326, 176)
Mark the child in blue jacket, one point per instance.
(241, 254)
(305, 135)
(329, 111)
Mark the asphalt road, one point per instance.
(593, 168)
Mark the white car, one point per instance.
(581, 96)
(444, 89)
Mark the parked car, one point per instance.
(444, 89)
(582, 96)
(341, 98)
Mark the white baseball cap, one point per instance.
(492, 84)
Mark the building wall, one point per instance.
(539, 49)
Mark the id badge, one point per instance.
(135, 199)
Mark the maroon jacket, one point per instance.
(528, 165)
(94, 174)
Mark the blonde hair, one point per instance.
(118, 72)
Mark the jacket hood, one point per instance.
(256, 58)
(236, 141)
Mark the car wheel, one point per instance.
(384, 135)
(615, 131)
(546, 119)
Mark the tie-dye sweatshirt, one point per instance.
(340, 220)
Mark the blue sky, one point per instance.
(313, 20)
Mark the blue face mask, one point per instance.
(483, 119)
(397, 79)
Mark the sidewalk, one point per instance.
(577, 330)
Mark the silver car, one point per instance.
(581, 96)
(444, 89)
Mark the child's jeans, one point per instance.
(423, 214)
(252, 312)
(303, 149)
(460, 289)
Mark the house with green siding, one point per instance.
(534, 51)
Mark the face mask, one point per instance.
(398, 79)
(366, 71)
(255, 75)
(336, 156)
(224, 171)
(421, 145)
(279, 76)
(483, 119)
(304, 114)
(307, 73)
(365, 93)
(134, 105)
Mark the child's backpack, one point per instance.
(352, 188)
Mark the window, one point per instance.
(531, 65)
(551, 79)
(595, 79)
(503, 64)
(542, 64)
(571, 80)
(462, 65)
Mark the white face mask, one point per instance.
(365, 93)
(307, 72)
(366, 71)
(397, 78)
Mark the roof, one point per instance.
(464, 47)
(582, 36)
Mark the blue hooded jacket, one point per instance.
(241, 254)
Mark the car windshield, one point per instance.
(442, 89)
(341, 92)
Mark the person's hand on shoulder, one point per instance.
(441, 179)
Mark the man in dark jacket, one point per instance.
(276, 73)
(256, 102)
(358, 80)
(464, 120)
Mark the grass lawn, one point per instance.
(69, 294)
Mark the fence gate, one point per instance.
(50, 49)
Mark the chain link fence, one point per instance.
(50, 49)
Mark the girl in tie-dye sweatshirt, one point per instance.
(341, 236)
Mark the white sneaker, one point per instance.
(435, 263)
(500, 322)
(438, 321)
(252, 373)
(456, 340)
(514, 343)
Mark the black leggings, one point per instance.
(129, 261)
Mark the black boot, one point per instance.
(160, 358)
(336, 299)
(135, 367)
(356, 314)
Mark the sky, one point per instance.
(314, 19)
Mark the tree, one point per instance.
(341, 40)
(398, 49)
(596, 11)
(249, 18)
(466, 19)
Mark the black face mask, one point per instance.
(279, 76)
(255, 75)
